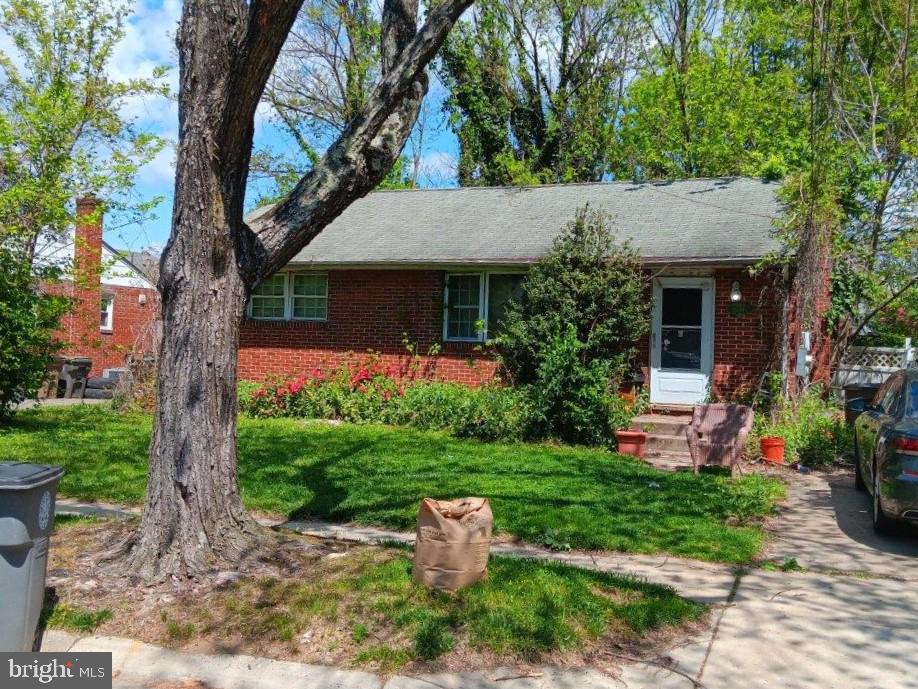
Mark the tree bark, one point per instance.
(193, 519)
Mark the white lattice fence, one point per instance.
(876, 357)
(872, 365)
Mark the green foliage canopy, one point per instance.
(572, 335)
(63, 131)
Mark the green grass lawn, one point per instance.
(362, 608)
(560, 497)
(524, 609)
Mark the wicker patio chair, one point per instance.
(717, 435)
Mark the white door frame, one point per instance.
(680, 386)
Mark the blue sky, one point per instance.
(150, 41)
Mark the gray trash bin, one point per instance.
(27, 494)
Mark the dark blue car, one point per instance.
(886, 449)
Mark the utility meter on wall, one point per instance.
(804, 358)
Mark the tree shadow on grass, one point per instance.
(378, 475)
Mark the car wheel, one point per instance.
(858, 476)
(881, 523)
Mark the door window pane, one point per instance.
(310, 296)
(463, 306)
(681, 306)
(268, 297)
(681, 348)
(501, 290)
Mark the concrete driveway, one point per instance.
(826, 526)
(848, 622)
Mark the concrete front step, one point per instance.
(657, 442)
(659, 424)
(665, 434)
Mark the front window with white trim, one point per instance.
(474, 304)
(309, 296)
(107, 313)
(290, 295)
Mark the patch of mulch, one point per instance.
(223, 614)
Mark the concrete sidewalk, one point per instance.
(59, 402)
(136, 665)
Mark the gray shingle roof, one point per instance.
(691, 220)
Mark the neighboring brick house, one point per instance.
(424, 266)
(115, 298)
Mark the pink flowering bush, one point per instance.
(356, 390)
(364, 390)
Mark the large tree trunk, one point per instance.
(193, 519)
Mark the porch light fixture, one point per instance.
(142, 299)
(735, 293)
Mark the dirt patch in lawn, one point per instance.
(355, 606)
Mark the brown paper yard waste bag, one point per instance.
(454, 537)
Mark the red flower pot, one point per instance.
(772, 449)
(631, 442)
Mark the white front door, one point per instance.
(681, 340)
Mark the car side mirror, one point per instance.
(857, 406)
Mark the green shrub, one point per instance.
(586, 282)
(28, 320)
(577, 401)
(570, 401)
(572, 334)
(813, 429)
(365, 391)
(489, 412)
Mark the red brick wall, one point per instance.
(745, 345)
(372, 309)
(79, 329)
(367, 310)
(130, 327)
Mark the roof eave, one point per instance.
(416, 264)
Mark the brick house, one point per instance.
(114, 293)
(425, 266)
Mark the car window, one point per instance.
(880, 395)
(911, 410)
(890, 396)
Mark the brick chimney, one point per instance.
(87, 273)
(87, 251)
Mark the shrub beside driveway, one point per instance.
(562, 497)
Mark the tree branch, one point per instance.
(365, 151)
(869, 317)
(268, 23)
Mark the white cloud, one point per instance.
(438, 169)
(149, 42)
(161, 170)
